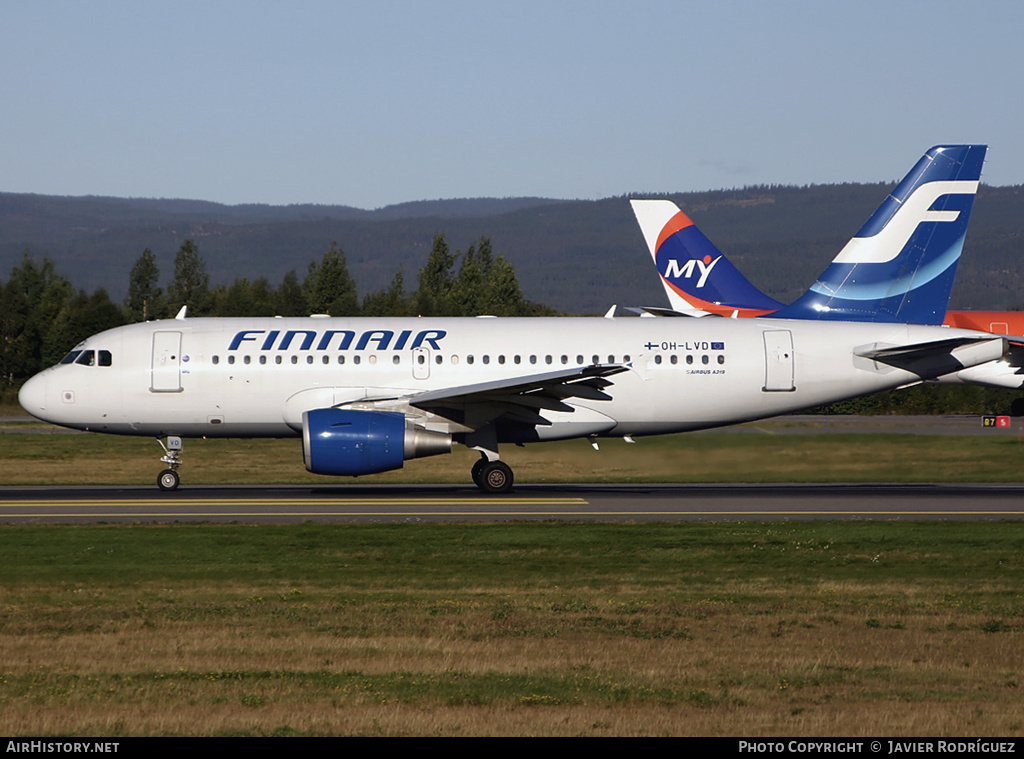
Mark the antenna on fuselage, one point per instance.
(181, 314)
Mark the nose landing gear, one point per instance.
(168, 479)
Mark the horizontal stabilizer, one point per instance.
(939, 357)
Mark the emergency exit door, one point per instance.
(778, 361)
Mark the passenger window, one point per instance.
(437, 359)
(396, 359)
(469, 359)
(216, 360)
(263, 359)
(246, 360)
(721, 358)
(547, 359)
(657, 359)
(674, 360)
(703, 359)
(231, 359)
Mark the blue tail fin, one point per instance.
(695, 274)
(901, 264)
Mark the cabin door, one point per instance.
(166, 375)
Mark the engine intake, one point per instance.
(350, 442)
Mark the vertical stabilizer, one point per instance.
(901, 264)
(694, 273)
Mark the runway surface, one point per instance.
(404, 503)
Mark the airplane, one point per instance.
(928, 212)
(367, 394)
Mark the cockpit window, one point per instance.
(88, 358)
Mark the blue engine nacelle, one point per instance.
(351, 442)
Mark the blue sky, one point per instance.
(373, 103)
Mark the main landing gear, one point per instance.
(168, 479)
(493, 477)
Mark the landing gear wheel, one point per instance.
(168, 480)
(476, 471)
(495, 478)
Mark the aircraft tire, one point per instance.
(475, 472)
(496, 478)
(168, 480)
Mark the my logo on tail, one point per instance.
(705, 265)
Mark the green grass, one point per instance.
(753, 629)
(27, 458)
(689, 558)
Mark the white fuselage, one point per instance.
(254, 377)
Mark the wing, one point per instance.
(520, 399)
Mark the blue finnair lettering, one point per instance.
(339, 339)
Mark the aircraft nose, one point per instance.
(32, 396)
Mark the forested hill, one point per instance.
(577, 256)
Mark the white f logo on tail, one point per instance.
(887, 244)
(685, 271)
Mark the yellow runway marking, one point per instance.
(311, 507)
(308, 502)
(346, 507)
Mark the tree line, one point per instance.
(42, 315)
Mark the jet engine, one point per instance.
(351, 442)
